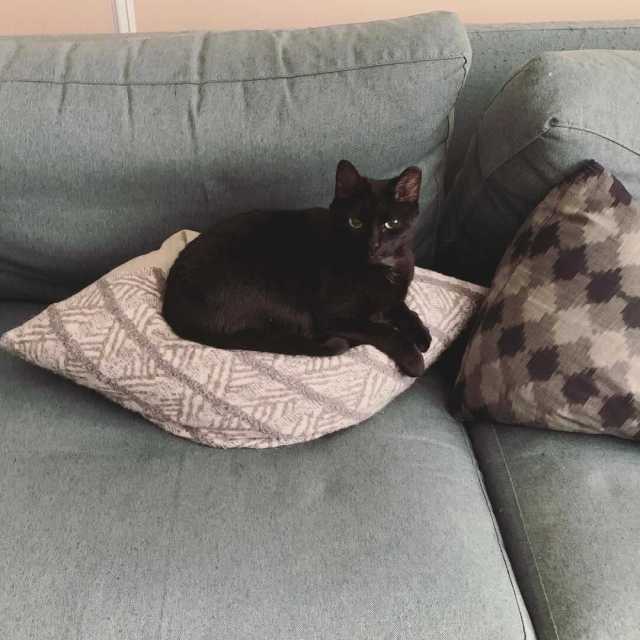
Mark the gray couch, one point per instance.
(411, 526)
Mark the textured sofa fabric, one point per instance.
(112, 528)
(499, 50)
(564, 502)
(108, 145)
(567, 506)
(557, 111)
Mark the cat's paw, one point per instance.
(411, 363)
(422, 338)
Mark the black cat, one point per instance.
(313, 282)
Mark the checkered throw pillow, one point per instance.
(557, 341)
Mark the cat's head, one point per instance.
(378, 216)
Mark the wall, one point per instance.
(55, 16)
(86, 16)
(163, 15)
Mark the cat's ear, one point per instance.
(347, 180)
(407, 186)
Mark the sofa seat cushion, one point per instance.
(114, 528)
(568, 510)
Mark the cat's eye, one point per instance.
(394, 223)
(355, 223)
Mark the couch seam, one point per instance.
(559, 125)
(526, 532)
(502, 89)
(505, 560)
(552, 123)
(466, 214)
(451, 129)
(540, 26)
(236, 81)
(442, 196)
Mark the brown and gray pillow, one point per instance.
(557, 340)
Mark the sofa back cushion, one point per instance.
(557, 111)
(109, 144)
(499, 50)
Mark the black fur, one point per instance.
(307, 282)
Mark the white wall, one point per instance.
(86, 16)
(163, 15)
